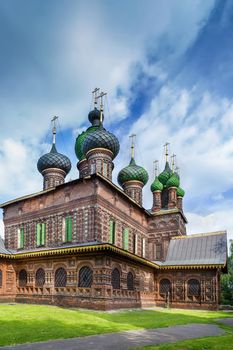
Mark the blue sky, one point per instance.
(167, 66)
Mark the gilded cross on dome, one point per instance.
(54, 121)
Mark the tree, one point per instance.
(227, 281)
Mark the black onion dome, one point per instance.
(94, 117)
(101, 138)
(53, 159)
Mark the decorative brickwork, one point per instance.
(85, 213)
(162, 227)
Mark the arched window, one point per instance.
(115, 279)
(165, 286)
(194, 288)
(0, 278)
(60, 277)
(22, 278)
(130, 281)
(40, 277)
(85, 277)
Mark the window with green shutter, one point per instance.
(21, 238)
(69, 228)
(126, 238)
(112, 229)
(135, 243)
(40, 234)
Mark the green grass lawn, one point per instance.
(21, 323)
(223, 342)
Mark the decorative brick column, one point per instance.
(172, 198)
(53, 177)
(82, 166)
(157, 201)
(180, 203)
(134, 190)
(100, 161)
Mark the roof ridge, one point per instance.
(201, 234)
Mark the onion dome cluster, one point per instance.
(167, 179)
(96, 137)
(132, 172)
(53, 159)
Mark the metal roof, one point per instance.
(200, 249)
(3, 250)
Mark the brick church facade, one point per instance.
(89, 243)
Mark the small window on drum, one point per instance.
(194, 288)
(115, 279)
(0, 278)
(60, 277)
(165, 286)
(22, 278)
(85, 277)
(130, 281)
(40, 277)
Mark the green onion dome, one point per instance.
(80, 140)
(132, 172)
(156, 185)
(165, 175)
(176, 173)
(53, 159)
(180, 192)
(101, 138)
(173, 181)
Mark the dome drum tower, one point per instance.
(180, 203)
(133, 178)
(157, 203)
(53, 177)
(96, 147)
(99, 160)
(82, 167)
(172, 198)
(134, 190)
(53, 166)
(156, 189)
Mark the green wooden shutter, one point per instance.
(38, 234)
(112, 231)
(69, 229)
(43, 233)
(18, 246)
(66, 229)
(21, 238)
(126, 238)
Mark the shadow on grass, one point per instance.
(32, 323)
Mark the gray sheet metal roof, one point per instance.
(201, 249)
(3, 250)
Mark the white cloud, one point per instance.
(18, 171)
(192, 122)
(99, 46)
(216, 221)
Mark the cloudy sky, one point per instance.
(167, 66)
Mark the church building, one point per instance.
(90, 243)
